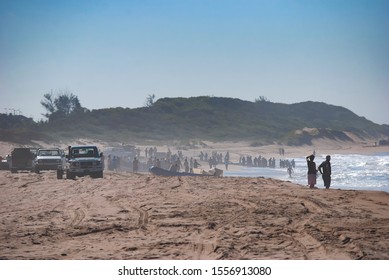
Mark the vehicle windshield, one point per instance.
(48, 153)
(84, 152)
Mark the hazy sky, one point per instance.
(116, 53)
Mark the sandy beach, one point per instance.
(142, 216)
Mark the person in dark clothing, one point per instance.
(135, 165)
(311, 171)
(325, 170)
(196, 164)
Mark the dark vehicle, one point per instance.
(84, 160)
(4, 163)
(22, 159)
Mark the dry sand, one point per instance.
(141, 216)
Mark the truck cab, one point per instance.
(84, 160)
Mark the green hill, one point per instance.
(20, 129)
(216, 119)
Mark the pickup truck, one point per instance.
(49, 159)
(82, 161)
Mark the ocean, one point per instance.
(349, 172)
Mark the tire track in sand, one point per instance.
(209, 243)
(311, 247)
(143, 217)
(77, 217)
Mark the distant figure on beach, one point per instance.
(178, 165)
(186, 165)
(311, 171)
(135, 165)
(227, 160)
(325, 170)
(174, 167)
(196, 164)
(290, 171)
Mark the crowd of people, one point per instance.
(113, 163)
(178, 162)
(137, 162)
(175, 163)
(261, 161)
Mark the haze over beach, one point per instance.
(116, 53)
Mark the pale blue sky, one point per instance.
(116, 53)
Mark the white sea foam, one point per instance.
(356, 172)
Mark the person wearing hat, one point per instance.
(311, 171)
(325, 170)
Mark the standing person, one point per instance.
(178, 164)
(290, 171)
(325, 170)
(196, 164)
(135, 165)
(186, 165)
(227, 160)
(311, 171)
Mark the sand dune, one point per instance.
(141, 216)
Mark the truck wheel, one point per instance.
(59, 174)
(36, 169)
(97, 174)
(70, 175)
(13, 170)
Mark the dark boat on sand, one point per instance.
(199, 172)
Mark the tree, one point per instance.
(48, 103)
(150, 100)
(67, 103)
(261, 99)
(62, 105)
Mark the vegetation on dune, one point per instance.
(205, 117)
(19, 129)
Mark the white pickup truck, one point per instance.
(49, 159)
